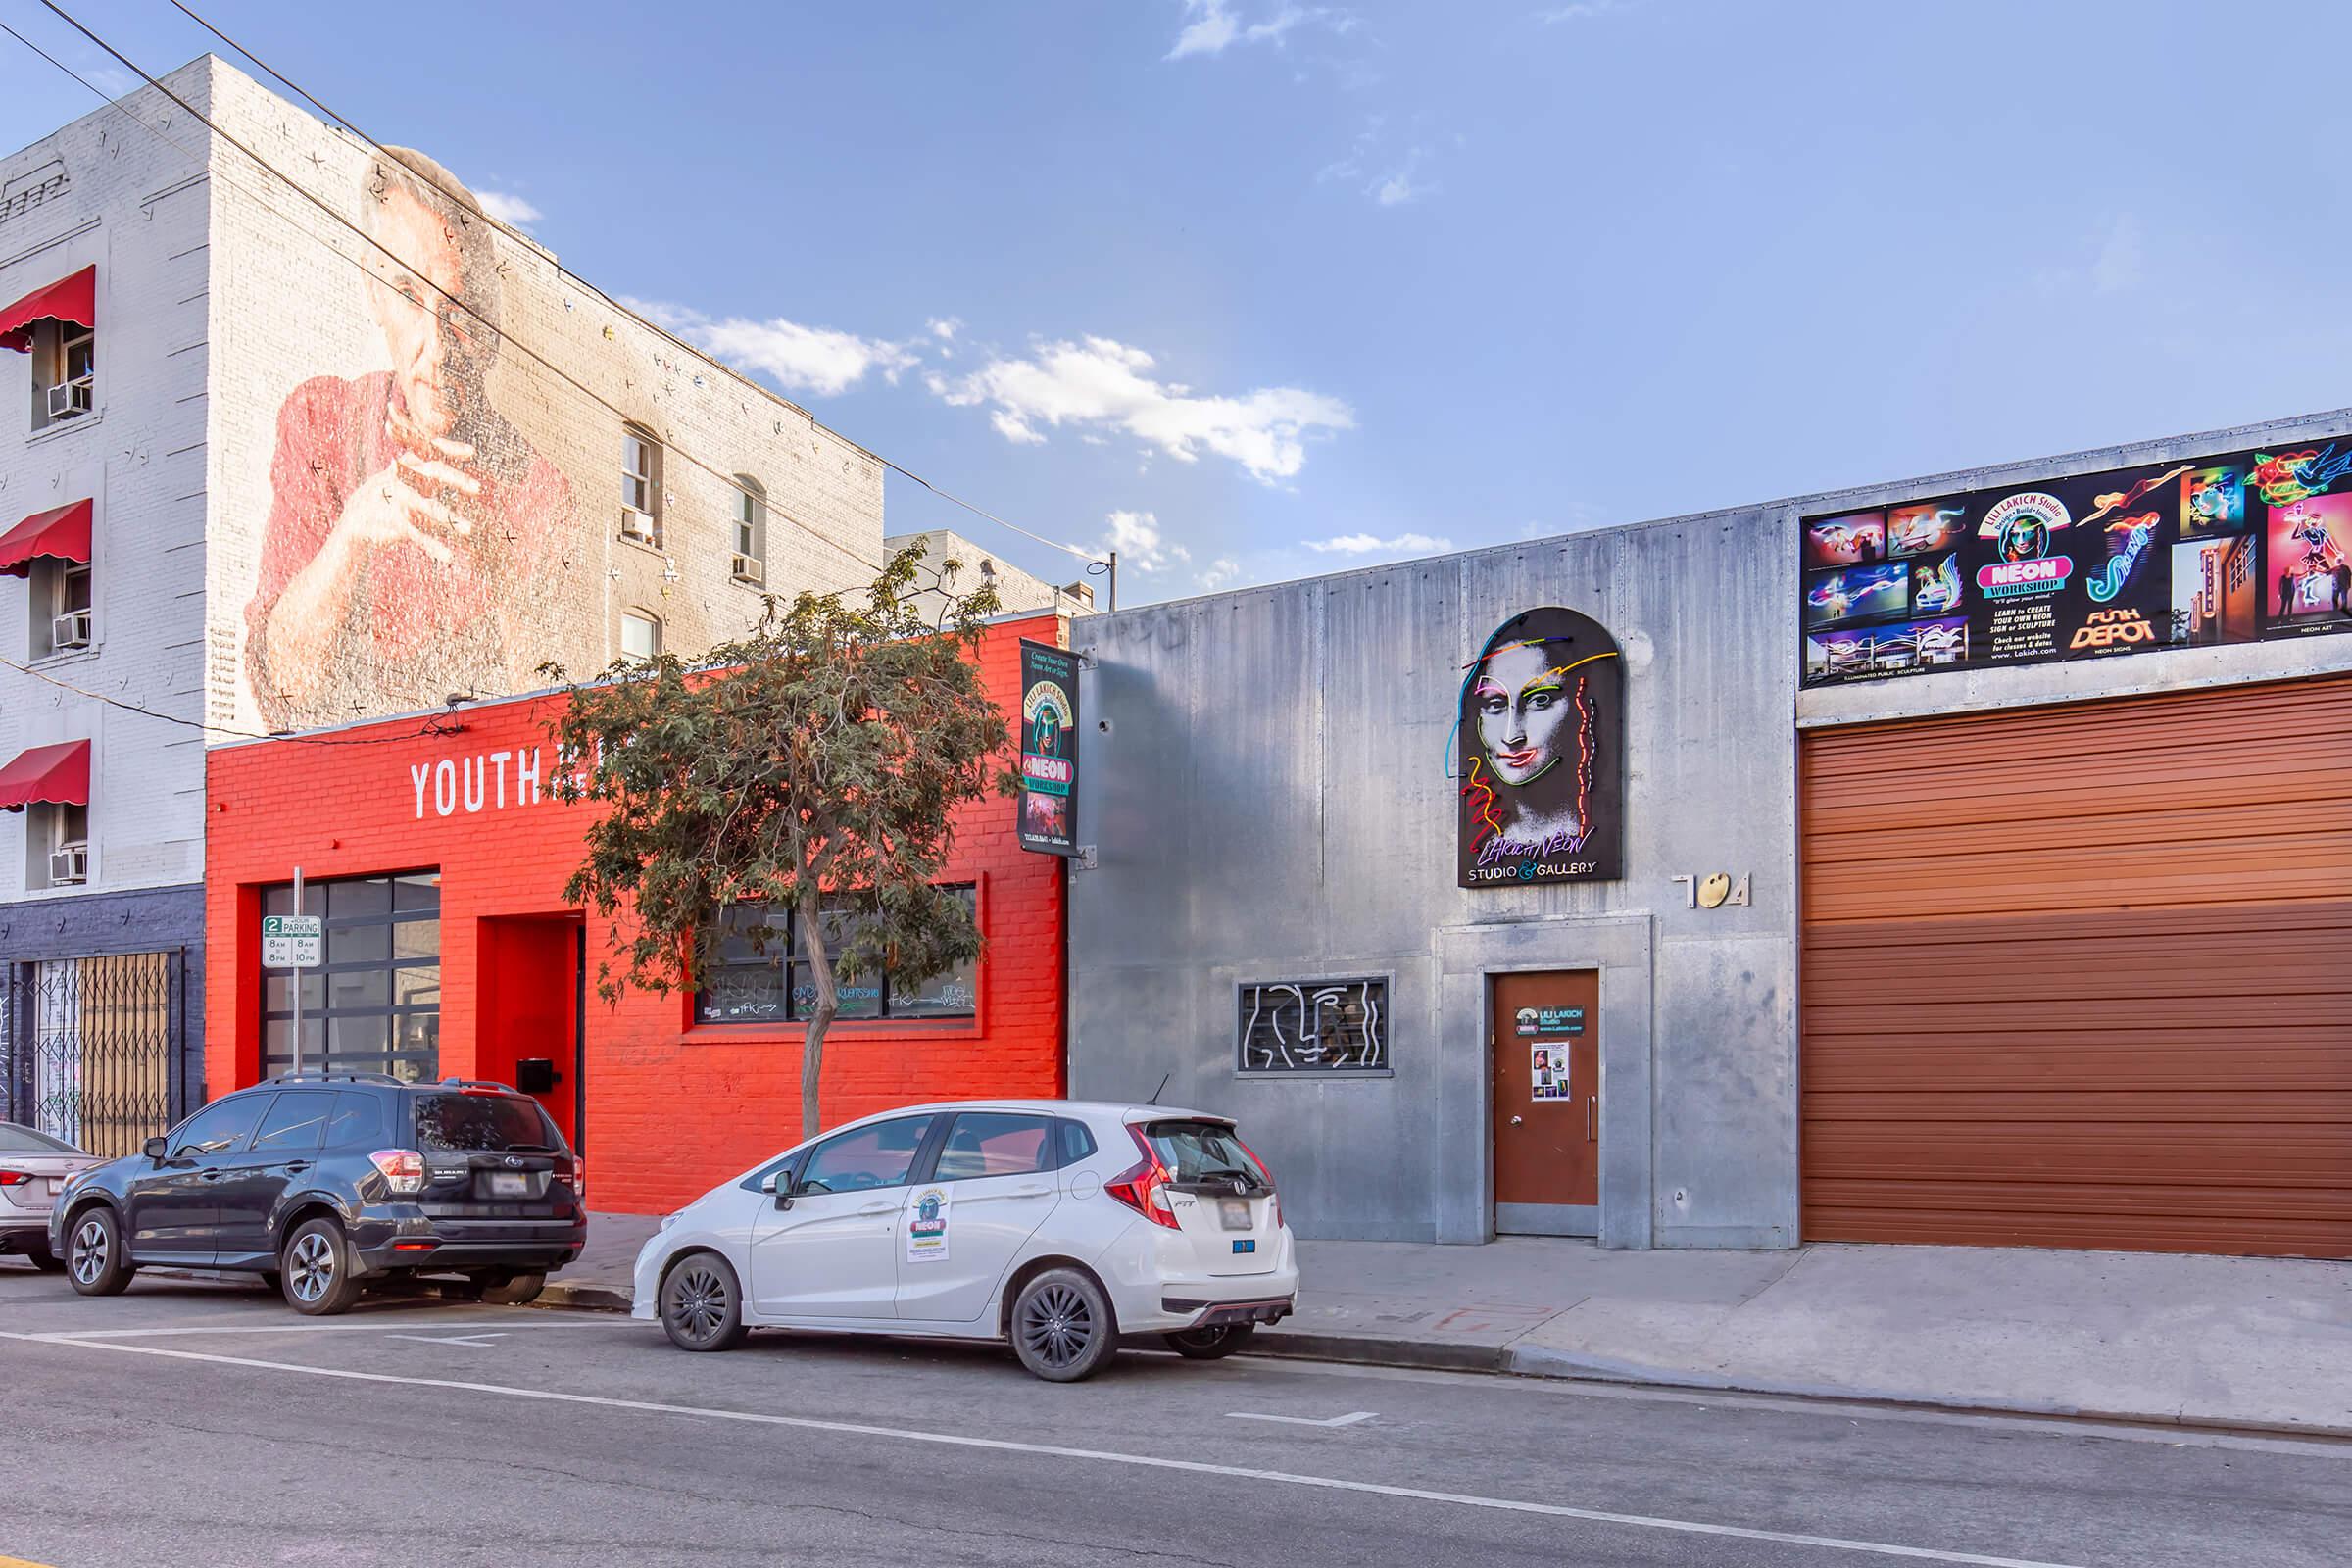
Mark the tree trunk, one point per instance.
(828, 1002)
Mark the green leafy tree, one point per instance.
(810, 771)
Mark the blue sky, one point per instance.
(1261, 290)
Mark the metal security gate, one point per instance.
(99, 1035)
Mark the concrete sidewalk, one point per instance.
(2141, 1336)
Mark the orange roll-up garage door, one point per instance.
(2082, 975)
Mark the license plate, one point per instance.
(509, 1184)
(1245, 1247)
(1235, 1212)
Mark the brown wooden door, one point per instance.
(2078, 976)
(1547, 1117)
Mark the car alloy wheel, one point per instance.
(1056, 1324)
(92, 1247)
(311, 1264)
(698, 1304)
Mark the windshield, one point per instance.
(1201, 1150)
(494, 1124)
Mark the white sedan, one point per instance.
(34, 1168)
(1061, 1226)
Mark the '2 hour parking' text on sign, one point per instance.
(292, 941)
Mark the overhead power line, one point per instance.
(714, 470)
(561, 271)
(432, 726)
(304, 94)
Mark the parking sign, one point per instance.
(292, 941)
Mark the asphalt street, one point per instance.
(199, 1423)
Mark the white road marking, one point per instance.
(1348, 1420)
(1551, 1510)
(477, 1340)
(1492, 1387)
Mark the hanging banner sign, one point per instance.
(1540, 743)
(1049, 749)
(2224, 549)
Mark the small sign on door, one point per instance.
(1550, 1021)
(1549, 1070)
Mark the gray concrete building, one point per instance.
(2009, 909)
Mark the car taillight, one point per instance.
(1143, 1187)
(579, 1178)
(403, 1168)
(1263, 1169)
(15, 1178)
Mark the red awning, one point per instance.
(71, 299)
(61, 533)
(59, 775)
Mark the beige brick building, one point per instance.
(301, 484)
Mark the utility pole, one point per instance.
(298, 979)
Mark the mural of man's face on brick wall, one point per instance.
(413, 531)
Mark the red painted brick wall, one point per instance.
(672, 1108)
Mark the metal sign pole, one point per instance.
(297, 975)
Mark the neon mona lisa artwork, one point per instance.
(1539, 747)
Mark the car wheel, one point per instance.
(1062, 1326)
(38, 1253)
(501, 1289)
(320, 1276)
(702, 1304)
(1212, 1344)
(94, 1260)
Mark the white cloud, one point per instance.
(1220, 573)
(1366, 544)
(2119, 259)
(797, 358)
(944, 328)
(1583, 10)
(1105, 384)
(1398, 188)
(1214, 25)
(1137, 538)
(1388, 180)
(511, 211)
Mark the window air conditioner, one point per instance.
(70, 631)
(635, 524)
(70, 400)
(746, 568)
(69, 865)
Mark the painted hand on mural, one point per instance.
(413, 527)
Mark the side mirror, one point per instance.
(156, 1148)
(780, 1184)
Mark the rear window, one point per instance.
(15, 1140)
(484, 1123)
(1201, 1150)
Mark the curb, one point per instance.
(583, 1297)
(1567, 1366)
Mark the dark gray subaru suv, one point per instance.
(322, 1182)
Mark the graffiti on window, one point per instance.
(1314, 1026)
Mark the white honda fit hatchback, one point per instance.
(1061, 1226)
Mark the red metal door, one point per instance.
(1545, 1062)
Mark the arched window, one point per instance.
(750, 563)
(640, 635)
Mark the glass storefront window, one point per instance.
(761, 978)
(376, 1004)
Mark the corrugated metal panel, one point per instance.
(2082, 976)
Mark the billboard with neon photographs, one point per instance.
(2223, 548)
